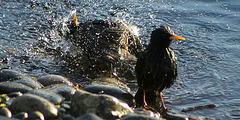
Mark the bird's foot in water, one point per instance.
(147, 107)
(163, 108)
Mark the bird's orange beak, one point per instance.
(75, 22)
(177, 37)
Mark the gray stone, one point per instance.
(62, 89)
(29, 82)
(88, 116)
(61, 110)
(6, 118)
(110, 82)
(15, 94)
(21, 115)
(113, 91)
(68, 117)
(36, 115)
(10, 75)
(146, 112)
(9, 87)
(53, 79)
(175, 115)
(30, 103)
(17, 77)
(133, 116)
(49, 95)
(105, 106)
(65, 106)
(5, 112)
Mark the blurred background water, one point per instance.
(208, 60)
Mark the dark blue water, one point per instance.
(208, 60)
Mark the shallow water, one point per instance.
(208, 60)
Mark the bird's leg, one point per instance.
(144, 99)
(161, 98)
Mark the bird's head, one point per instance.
(163, 36)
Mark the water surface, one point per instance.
(208, 60)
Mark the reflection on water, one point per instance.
(208, 59)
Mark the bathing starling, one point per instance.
(156, 67)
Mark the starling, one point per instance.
(156, 67)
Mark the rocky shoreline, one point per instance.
(56, 97)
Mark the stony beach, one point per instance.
(56, 97)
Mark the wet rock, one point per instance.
(29, 82)
(105, 106)
(9, 102)
(174, 115)
(110, 82)
(10, 75)
(17, 77)
(65, 106)
(5, 112)
(88, 116)
(36, 115)
(145, 112)
(113, 91)
(61, 110)
(21, 115)
(29, 103)
(133, 116)
(62, 89)
(68, 117)
(9, 87)
(6, 118)
(49, 95)
(199, 107)
(15, 94)
(53, 79)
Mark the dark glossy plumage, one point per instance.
(156, 67)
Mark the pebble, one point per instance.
(21, 115)
(49, 95)
(105, 106)
(15, 94)
(113, 91)
(62, 89)
(30, 103)
(8, 75)
(36, 115)
(199, 107)
(6, 118)
(133, 116)
(111, 82)
(29, 82)
(5, 112)
(65, 106)
(9, 87)
(61, 110)
(88, 116)
(9, 102)
(146, 112)
(53, 79)
(68, 117)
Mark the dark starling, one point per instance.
(156, 67)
